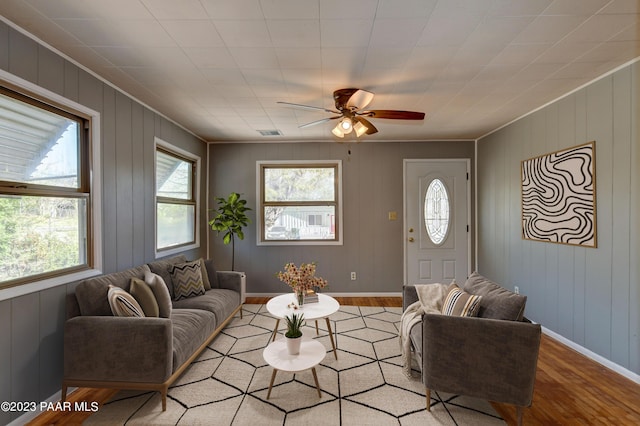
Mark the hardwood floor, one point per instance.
(570, 389)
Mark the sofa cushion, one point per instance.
(92, 292)
(497, 302)
(191, 327)
(187, 280)
(161, 293)
(460, 303)
(161, 267)
(122, 303)
(221, 302)
(143, 294)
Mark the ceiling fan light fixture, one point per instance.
(346, 125)
(338, 131)
(360, 128)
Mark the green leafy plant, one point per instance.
(294, 325)
(230, 218)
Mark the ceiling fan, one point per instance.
(350, 104)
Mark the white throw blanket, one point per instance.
(430, 299)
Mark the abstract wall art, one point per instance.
(559, 197)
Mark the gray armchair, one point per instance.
(492, 359)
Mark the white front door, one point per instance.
(437, 242)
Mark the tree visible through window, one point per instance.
(44, 189)
(299, 201)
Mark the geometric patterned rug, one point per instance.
(227, 384)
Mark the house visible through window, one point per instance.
(44, 190)
(300, 202)
(176, 197)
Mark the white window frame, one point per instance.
(96, 261)
(196, 188)
(261, 241)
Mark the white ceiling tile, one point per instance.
(210, 57)
(243, 33)
(263, 76)
(520, 53)
(387, 57)
(575, 7)
(290, 9)
(601, 28)
(221, 76)
(294, 33)
(518, 7)
(171, 9)
(564, 52)
(345, 32)
(193, 33)
(142, 33)
(498, 31)
(448, 30)
(122, 56)
(255, 57)
(388, 32)
(352, 9)
(233, 9)
(405, 8)
(548, 29)
(622, 6)
(616, 52)
(298, 57)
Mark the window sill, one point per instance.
(21, 290)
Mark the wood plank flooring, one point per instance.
(570, 389)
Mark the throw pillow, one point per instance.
(161, 293)
(144, 296)
(460, 303)
(212, 273)
(205, 275)
(187, 280)
(497, 302)
(122, 303)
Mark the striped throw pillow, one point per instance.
(123, 304)
(187, 280)
(460, 303)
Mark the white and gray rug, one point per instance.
(228, 384)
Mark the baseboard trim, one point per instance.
(594, 356)
(389, 294)
(31, 415)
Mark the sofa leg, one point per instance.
(428, 399)
(164, 400)
(519, 415)
(63, 397)
(240, 311)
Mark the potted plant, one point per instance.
(294, 332)
(230, 219)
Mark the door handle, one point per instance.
(411, 239)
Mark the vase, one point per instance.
(293, 345)
(300, 297)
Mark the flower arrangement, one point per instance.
(302, 278)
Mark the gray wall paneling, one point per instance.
(372, 187)
(31, 326)
(589, 296)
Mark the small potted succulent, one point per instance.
(294, 332)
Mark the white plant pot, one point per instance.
(293, 345)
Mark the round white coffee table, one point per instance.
(325, 306)
(277, 356)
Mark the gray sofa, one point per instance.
(492, 356)
(150, 353)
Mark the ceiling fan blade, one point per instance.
(309, 107)
(360, 99)
(393, 114)
(371, 129)
(313, 123)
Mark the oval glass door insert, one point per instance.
(436, 211)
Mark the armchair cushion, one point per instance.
(497, 302)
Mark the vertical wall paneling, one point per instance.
(372, 187)
(589, 296)
(5, 356)
(32, 325)
(123, 183)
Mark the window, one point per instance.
(436, 211)
(176, 198)
(45, 195)
(300, 202)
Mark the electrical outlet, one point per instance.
(516, 290)
(353, 276)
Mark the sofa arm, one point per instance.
(409, 296)
(103, 348)
(231, 280)
(485, 358)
